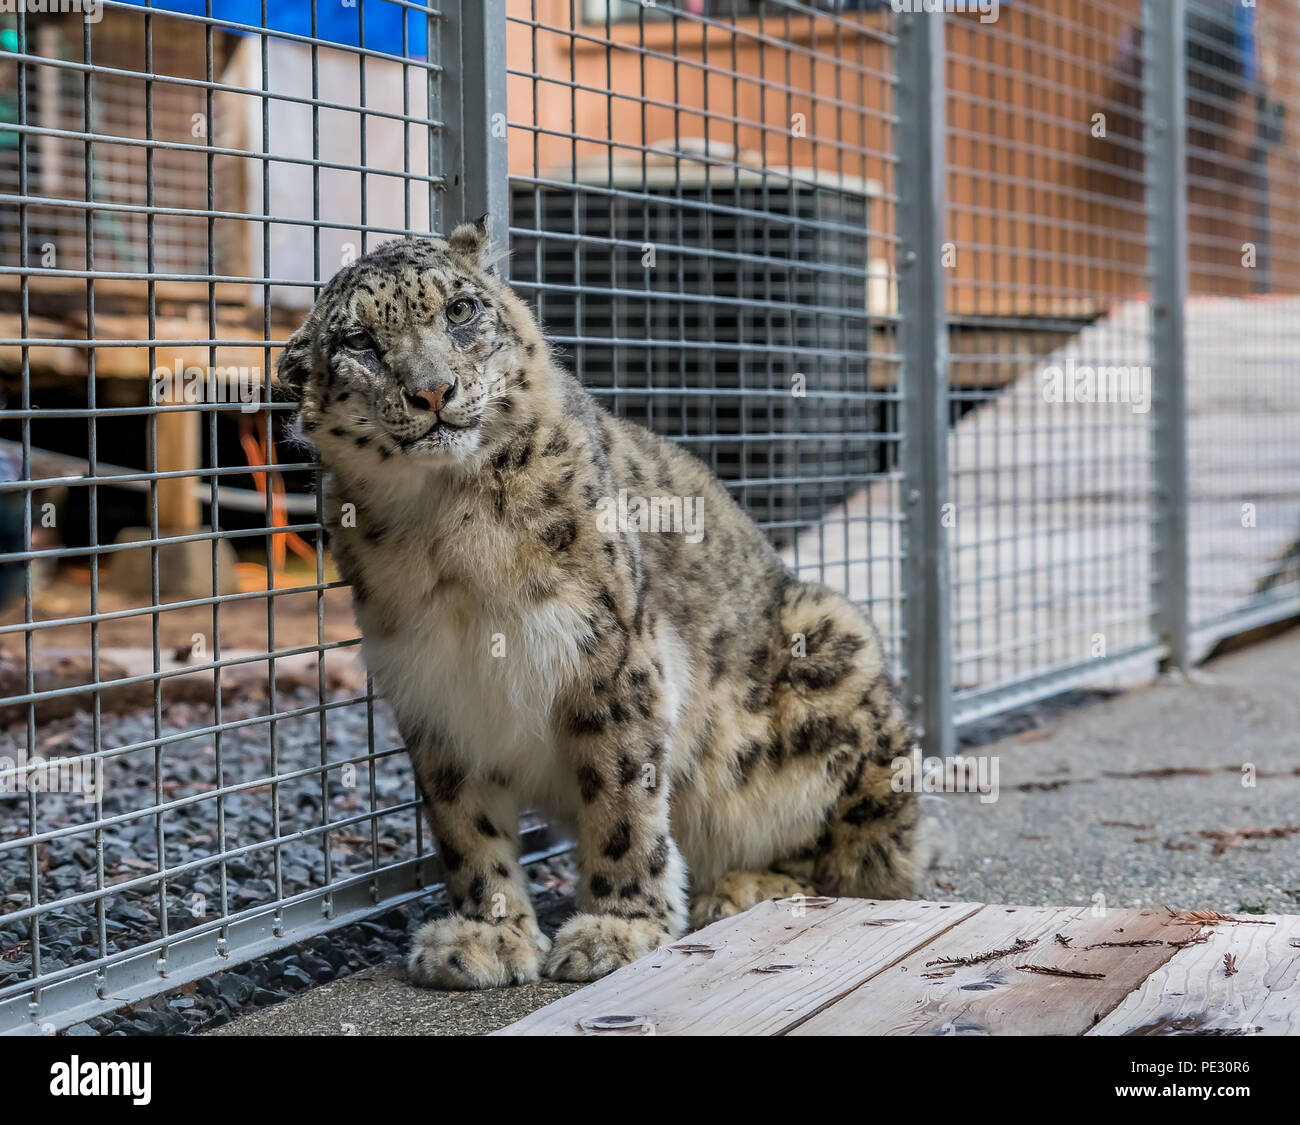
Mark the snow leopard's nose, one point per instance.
(435, 399)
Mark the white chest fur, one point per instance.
(453, 650)
(486, 676)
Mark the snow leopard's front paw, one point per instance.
(590, 945)
(456, 952)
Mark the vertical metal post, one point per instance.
(1166, 153)
(473, 50)
(923, 345)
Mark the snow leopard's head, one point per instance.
(415, 350)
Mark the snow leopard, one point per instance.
(713, 731)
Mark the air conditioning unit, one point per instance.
(723, 307)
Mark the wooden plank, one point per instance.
(998, 997)
(115, 288)
(179, 446)
(755, 974)
(126, 362)
(1192, 992)
(43, 358)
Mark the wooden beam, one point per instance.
(179, 446)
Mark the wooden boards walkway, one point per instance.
(858, 967)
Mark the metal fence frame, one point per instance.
(923, 341)
(1167, 200)
(468, 176)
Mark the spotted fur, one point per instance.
(687, 706)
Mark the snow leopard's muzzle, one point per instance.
(421, 398)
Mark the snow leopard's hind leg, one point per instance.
(837, 705)
(871, 845)
(834, 729)
(737, 891)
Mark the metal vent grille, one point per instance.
(762, 286)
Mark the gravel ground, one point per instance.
(380, 943)
(68, 865)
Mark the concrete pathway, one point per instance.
(1115, 799)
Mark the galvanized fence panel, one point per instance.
(1050, 497)
(1243, 323)
(176, 187)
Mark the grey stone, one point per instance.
(184, 569)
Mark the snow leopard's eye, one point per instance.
(461, 310)
(359, 341)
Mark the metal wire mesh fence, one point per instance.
(1051, 484)
(908, 282)
(701, 213)
(1243, 455)
(196, 768)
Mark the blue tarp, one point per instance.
(1246, 40)
(336, 22)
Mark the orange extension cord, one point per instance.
(259, 451)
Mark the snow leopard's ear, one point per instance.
(469, 242)
(293, 368)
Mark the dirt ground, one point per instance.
(242, 619)
(298, 619)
